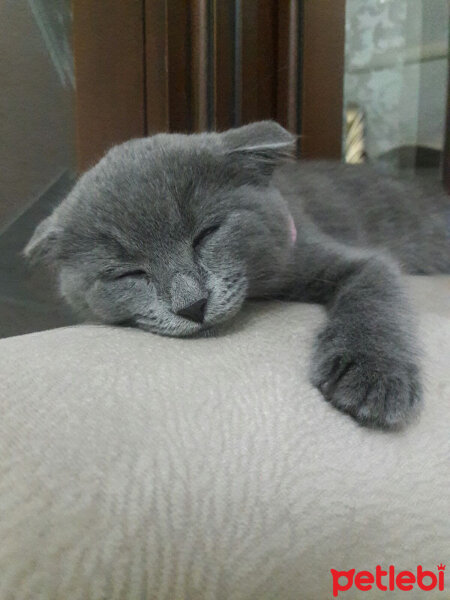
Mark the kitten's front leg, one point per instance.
(365, 361)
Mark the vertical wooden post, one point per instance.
(288, 67)
(200, 32)
(322, 78)
(224, 49)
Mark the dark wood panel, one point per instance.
(108, 44)
(258, 85)
(323, 34)
(223, 58)
(156, 66)
(180, 56)
(267, 59)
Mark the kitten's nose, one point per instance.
(195, 311)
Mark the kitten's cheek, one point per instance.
(114, 301)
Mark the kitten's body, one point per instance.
(172, 233)
(358, 206)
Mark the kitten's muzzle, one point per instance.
(195, 311)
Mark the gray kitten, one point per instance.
(172, 233)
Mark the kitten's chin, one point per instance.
(184, 329)
(195, 331)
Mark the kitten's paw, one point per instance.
(377, 390)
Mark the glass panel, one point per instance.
(395, 85)
(36, 150)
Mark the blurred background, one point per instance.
(359, 80)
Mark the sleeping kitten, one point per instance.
(172, 233)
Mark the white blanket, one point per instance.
(139, 467)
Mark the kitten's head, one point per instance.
(172, 232)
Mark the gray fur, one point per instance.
(126, 247)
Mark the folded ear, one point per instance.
(43, 245)
(261, 146)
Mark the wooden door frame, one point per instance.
(322, 81)
(126, 86)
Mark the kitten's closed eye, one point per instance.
(203, 235)
(135, 273)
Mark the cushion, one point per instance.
(134, 466)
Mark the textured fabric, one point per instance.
(139, 467)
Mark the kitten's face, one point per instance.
(172, 233)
